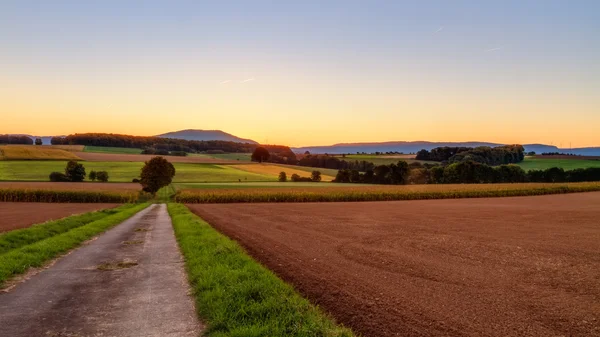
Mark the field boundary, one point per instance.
(20, 260)
(234, 294)
(26, 195)
(258, 196)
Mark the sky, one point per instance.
(303, 73)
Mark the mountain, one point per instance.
(191, 134)
(413, 147)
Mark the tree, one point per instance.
(315, 176)
(58, 177)
(260, 154)
(75, 171)
(282, 177)
(92, 176)
(295, 177)
(156, 173)
(102, 176)
(38, 141)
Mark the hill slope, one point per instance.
(191, 134)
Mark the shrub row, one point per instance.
(234, 196)
(17, 195)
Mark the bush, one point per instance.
(38, 141)
(282, 177)
(178, 153)
(58, 177)
(92, 176)
(102, 176)
(315, 176)
(135, 180)
(297, 178)
(75, 171)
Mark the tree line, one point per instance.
(464, 172)
(15, 139)
(500, 155)
(75, 172)
(171, 146)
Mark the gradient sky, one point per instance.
(309, 73)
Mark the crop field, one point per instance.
(141, 158)
(126, 171)
(536, 163)
(243, 157)
(274, 170)
(346, 192)
(107, 149)
(324, 171)
(33, 152)
(383, 159)
(259, 185)
(24, 214)
(70, 186)
(479, 267)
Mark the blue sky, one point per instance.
(308, 72)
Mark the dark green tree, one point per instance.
(102, 176)
(260, 154)
(92, 176)
(75, 171)
(315, 176)
(156, 173)
(38, 141)
(282, 177)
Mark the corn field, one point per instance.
(20, 195)
(379, 193)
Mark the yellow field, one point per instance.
(270, 169)
(70, 148)
(34, 152)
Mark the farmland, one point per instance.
(32, 152)
(274, 170)
(24, 214)
(343, 192)
(537, 163)
(383, 159)
(126, 171)
(495, 267)
(107, 149)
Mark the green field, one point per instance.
(324, 171)
(126, 171)
(244, 157)
(381, 159)
(106, 149)
(532, 163)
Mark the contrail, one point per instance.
(247, 80)
(492, 49)
(225, 82)
(439, 30)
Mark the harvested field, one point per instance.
(35, 152)
(17, 215)
(68, 186)
(274, 170)
(524, 266)
(96, 156)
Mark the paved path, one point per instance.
(76, 298)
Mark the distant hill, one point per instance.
(191, 134)
(413, 147)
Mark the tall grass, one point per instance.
(22, 195)
(21, 237)
(235, 295)
(380, 193)
(19, 260)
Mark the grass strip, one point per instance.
(235, 295)
(333, 195)
(17, 195)
(19, 260)
(21, 237)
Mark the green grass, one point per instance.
(381, 160)
(324, 171)
(532, 163)
(21, 237)
(235, 295)
(126, 171)
(107, 149)
(243, 157)
(19, 260)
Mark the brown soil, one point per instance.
(15, 215)
(524, 266)
(66, 186)
(92, 156)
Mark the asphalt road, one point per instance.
(88, 293)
